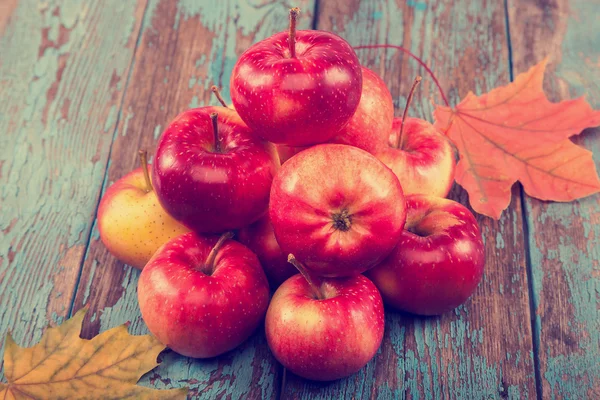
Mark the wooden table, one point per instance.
(85, 84)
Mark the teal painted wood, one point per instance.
(565, 265)
(483, 349)
(185, 47)
(61, 84)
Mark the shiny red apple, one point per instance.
(203, 296)
(424, 160)
(370, 125)
(438, 262)
(420, 155)
(211, 172)
(298, 87)
(337, 209)
(325, 329)
(260, 238)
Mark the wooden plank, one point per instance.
(185, 47)
(484, 348)
(6, 11)
(63, 69)
(564, 238)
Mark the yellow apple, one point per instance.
(131, 221)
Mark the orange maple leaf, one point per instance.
(514, 133)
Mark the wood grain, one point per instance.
(564, 238)
(61, 85)
(484, 348)
(185, 47)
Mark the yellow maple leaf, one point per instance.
(64, 366)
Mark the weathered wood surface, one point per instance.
(483, 350)
(62, 79)
(564, 239)
(85, 84)
(184, 48)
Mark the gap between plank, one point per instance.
(106, 167)
(315, 20)
(535, 333)
(535, 337)
(509, 43)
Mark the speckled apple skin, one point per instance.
(370, 126)
(196, 314)
(297, 101)
(327, 179)
(207, 191)
(433, 274)
(131, 221)
(426, 162)
(327, 339)
(260, 238)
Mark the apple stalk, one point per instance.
(144, 164)
(292, 39)
(214, 118)
(312, 282)
(408, 100)
(215, 90)
(209, 265)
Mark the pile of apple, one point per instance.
(219, 222)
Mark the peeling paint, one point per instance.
(57, 61)
(157, 131)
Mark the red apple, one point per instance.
(297, 88)
(337, 208)
(420, 156)
(203, 296)
(325, 330)
(260, 238)
(439, 261)
(370, 125)
(211, 173)
(131, 222)
(424, 161)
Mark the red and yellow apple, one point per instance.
(370, 125)
(203, 296)
(423, 159)
(131, 221)
(325, 329)
(297, 88)
(438, 262)
(337, 208)
(211, 172)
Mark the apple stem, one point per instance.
(215, 90)
(144, 163)
(210, 260)
(213, 117)
(408, 100)
(311, 281)
(292, 39)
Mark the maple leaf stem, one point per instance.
(209, 265)
(408, 100)
(215, 90)
(312, 282)
(292, 38)
(144, 163)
